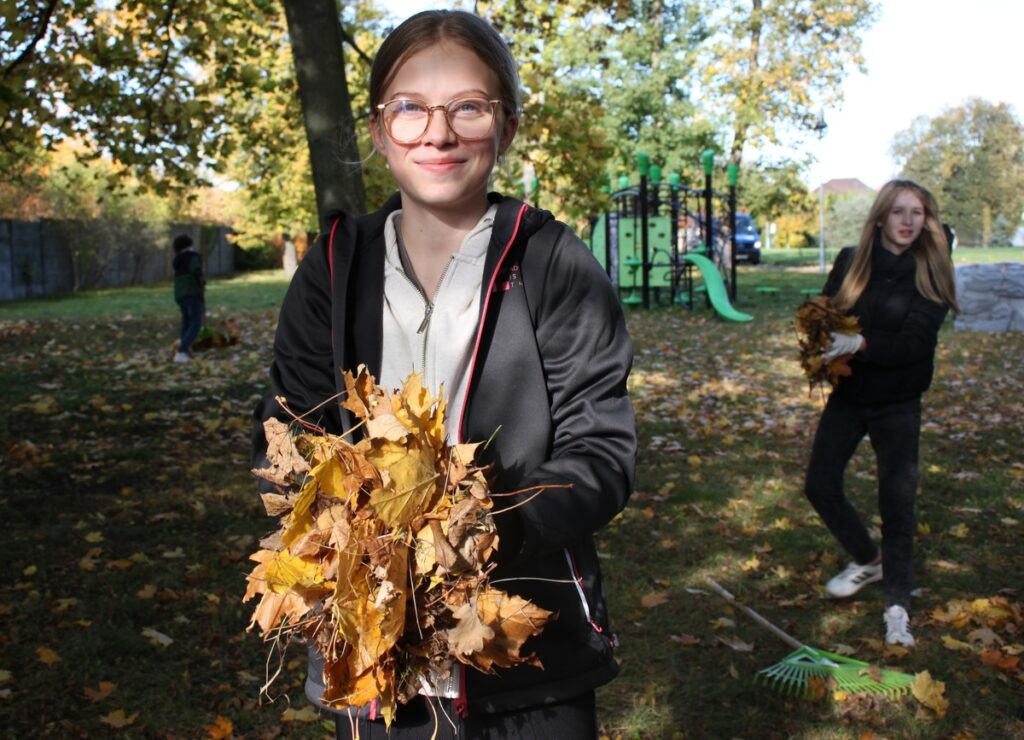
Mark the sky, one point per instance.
(922, 56)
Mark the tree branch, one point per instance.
(352, 42)
(28, 50)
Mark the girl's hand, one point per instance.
(843, 344)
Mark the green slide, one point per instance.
(716, 288)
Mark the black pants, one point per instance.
(894, 430)
(575, 719)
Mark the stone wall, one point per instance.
(991, 296)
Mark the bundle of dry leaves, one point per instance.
(816, 320)
(381, 559)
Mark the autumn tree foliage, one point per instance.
(769, 65)
(271, 95)
(972, 158)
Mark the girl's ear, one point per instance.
(375, 134)
(508, 133)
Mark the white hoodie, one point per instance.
(443, 348)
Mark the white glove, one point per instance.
(842, 344)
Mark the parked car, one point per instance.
(748, 239)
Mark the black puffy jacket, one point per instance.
(548, 374)
(900, 326)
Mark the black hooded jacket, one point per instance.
(900, 326)
(547, 382)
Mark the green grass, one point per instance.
(961, 256)
(127, 504)
(246, 292)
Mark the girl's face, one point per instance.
(440, 171)
(904, 223)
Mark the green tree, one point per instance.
(770, 64)
(845, 214)
(972, 158)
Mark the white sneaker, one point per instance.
(182, 357)
(897, 627)
(853, 579)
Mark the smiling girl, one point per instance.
(899, 283)
(505, 307)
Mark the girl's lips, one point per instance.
(440, 165)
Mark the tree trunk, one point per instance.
(316, 38)
(739, 138)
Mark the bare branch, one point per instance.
(27, 52)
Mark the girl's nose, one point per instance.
(438, 132)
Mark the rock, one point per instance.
(991, 297)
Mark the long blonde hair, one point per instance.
(934, 278)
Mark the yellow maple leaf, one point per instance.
(306, 714)
(146, 592)
(117, 719)
(930, 693)
(960, 531)
(47, 656)
(748, 565)
(953, 644)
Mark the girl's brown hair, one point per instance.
(432, 26)
(934, 278)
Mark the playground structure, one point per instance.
(660, 231)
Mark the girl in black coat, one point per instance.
(506, 308)
(899, 284)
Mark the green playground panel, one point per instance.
(659, 245)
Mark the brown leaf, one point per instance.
(653, 599)
(101, 692)
(470, 633)
(118, 720)
(285, 460)
(220, 729)
(47, 656)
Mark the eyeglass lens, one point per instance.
(407, 120)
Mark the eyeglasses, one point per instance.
(407, 120)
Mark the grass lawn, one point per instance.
(129, 513)
(961, 256)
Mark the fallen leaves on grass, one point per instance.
(219, 729)
(118, 719)
(653, 599)
(47, 656)
(101, 692)
(930, 693)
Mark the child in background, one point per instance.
(899, 284)
(189, 289)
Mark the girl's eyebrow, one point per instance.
(461, 94)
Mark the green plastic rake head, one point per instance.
(790, 675)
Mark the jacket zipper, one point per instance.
(428, 307)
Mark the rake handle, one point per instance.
(786, 638)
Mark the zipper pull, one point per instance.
(427, 311)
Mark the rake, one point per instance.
(805, 672)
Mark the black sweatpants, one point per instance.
(894, 430)
(575, 719)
